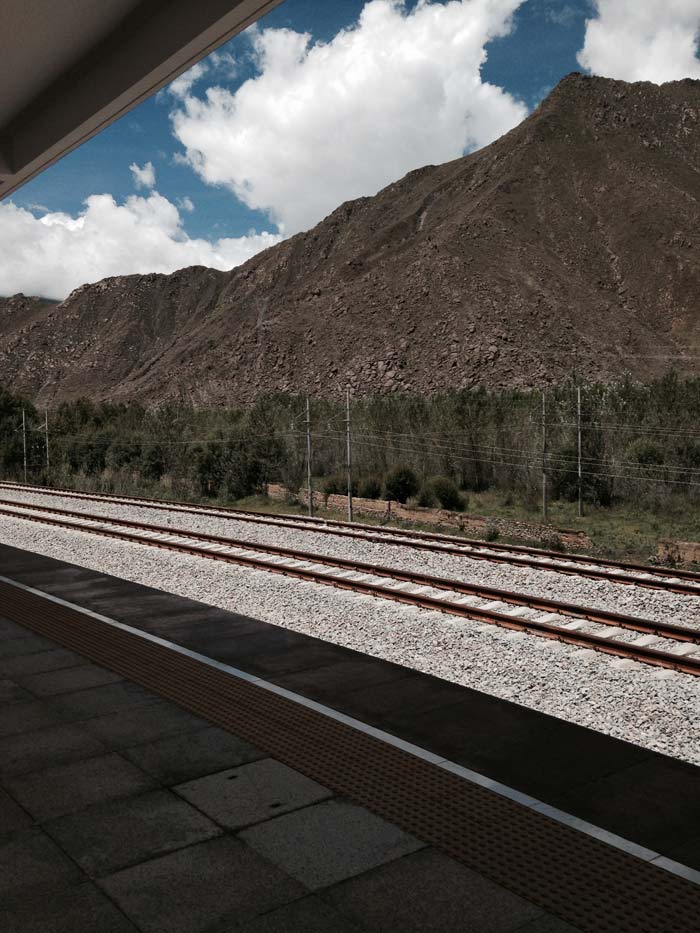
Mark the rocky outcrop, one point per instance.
(570, 245)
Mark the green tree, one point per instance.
(400, 484)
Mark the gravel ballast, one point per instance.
(658, 605)
(657, 709)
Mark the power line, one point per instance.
(531, 461)
(515, 453)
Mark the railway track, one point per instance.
(661, 644)
(596, 568)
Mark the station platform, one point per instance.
(167, 765)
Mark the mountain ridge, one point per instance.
(566, 247)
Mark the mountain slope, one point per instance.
(570, 244)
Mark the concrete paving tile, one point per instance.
(10, 692)
(687, 854)
(184, 757)
(331, 680)
(548, 924)
(427, 892)
(10, 629)
(52, 660)
(32, 861)
(23, 717)
(30, 751)
(67, 680)
(406, 696)
(97, 701)
(309, 915)
(665, 791)
(329, 842)
(12, 817)
(252, 793)
(26, 644)
(142, 724)
(176, 626)
(69, 788)
(509, 743)
(209, 886)
(80, 909)
(112, 835)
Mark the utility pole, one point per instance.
(308, 458)
(348, 451)
(544, 457)
(46, 434)
(580, 480)
(24, 444)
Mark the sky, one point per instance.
(318, 103)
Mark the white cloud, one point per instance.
(186, 204)
(323, 123)
(144, 177)
(52, 254)
(562, 15)
(182, 85)
(224, 62)
(643, 40)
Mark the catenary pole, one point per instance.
(544, 457)
(348, 445)
(308, 457)
(580, 474)
(24, 444)
(46, 435)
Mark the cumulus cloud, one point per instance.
(182, 85)
(643, 40)
(52, 254)
(322, 123)
(145, 176)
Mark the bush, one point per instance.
(400, 484)
(491, 533)
(337, 485)
(370, 488)
(447, 494)
(426, 497)
(334, 485)
(551, 541)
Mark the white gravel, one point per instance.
(658, 605)
(654, 708)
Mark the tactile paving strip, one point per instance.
(580, 879)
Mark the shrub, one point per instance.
(370, 488)
(551, 541)
(646, 453)
(447, 494)
(400, 484)
(334, 485)
(337, 485)
(426, 497)
(491, 533)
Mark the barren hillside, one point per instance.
(569, 244)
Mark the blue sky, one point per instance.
(528, 63)
(319, 103)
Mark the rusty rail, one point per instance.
(124, 529)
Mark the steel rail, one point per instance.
(324, 525)
(646, 655)
(577, 567)
(590, 614)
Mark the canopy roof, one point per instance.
(68, 68)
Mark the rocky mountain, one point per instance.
(572, 244)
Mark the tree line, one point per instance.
(640, 443)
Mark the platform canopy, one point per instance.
(68, 68)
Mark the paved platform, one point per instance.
(120, 811)
(66, 714)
